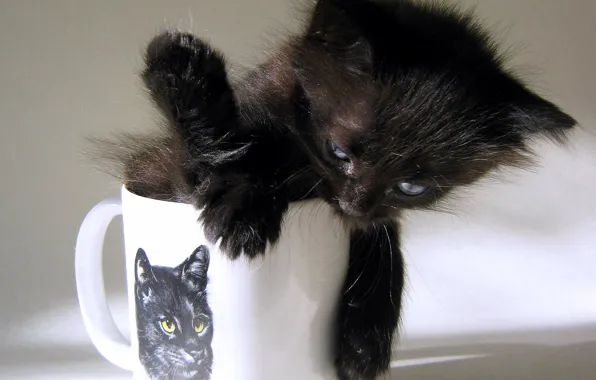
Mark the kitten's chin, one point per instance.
(362, 221)
(359, 220)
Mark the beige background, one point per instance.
(68, 71)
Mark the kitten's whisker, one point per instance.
(312, 188)
(298, 172)
(437, 183)
(377, 278)
(391, 266)
(359, 276)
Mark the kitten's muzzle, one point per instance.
(348, 209)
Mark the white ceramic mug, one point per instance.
(196, 314)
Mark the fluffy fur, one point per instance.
(408, 93)
(149, 165)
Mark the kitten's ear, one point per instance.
(143, 270)
(194, 269)
(333, 24)
(534, 115)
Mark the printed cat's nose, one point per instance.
(188, 357)
(198, 355)
(348, 209)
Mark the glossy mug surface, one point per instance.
(195, 314)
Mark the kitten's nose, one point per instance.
(348, 209)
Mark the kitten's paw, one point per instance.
(181, 68)
(241, 234)
(244, 238)
(363, 355)
(183, 55)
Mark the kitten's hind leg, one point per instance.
(370, 304)
(187, 80)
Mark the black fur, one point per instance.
(410, 92)
(372, 297)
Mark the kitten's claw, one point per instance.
(241, 238)
(241, 231)
(363, 355)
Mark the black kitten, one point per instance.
(174, 320)
(377, 107)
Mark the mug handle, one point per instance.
(97, 317)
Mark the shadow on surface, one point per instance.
(505, 362)
(59, 363)
(557, 354)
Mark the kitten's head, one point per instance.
(400, 103)
(174, 320)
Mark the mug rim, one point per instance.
(130, 194)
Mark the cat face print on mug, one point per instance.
(174, 320)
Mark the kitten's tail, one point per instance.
(148, 165)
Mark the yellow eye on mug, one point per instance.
(167, 326)
(199, 327)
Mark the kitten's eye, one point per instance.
(199, 327)
(337, 151)
(412, 188)
(167, 326)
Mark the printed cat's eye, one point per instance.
(412, 188)
(167, 326)
(199, 327)
(337, 151)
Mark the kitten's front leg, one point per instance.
(370, 305)
(187, 80)
(245, 215)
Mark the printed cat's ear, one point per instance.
(194, 269)
(143, 271)
(534, 115)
